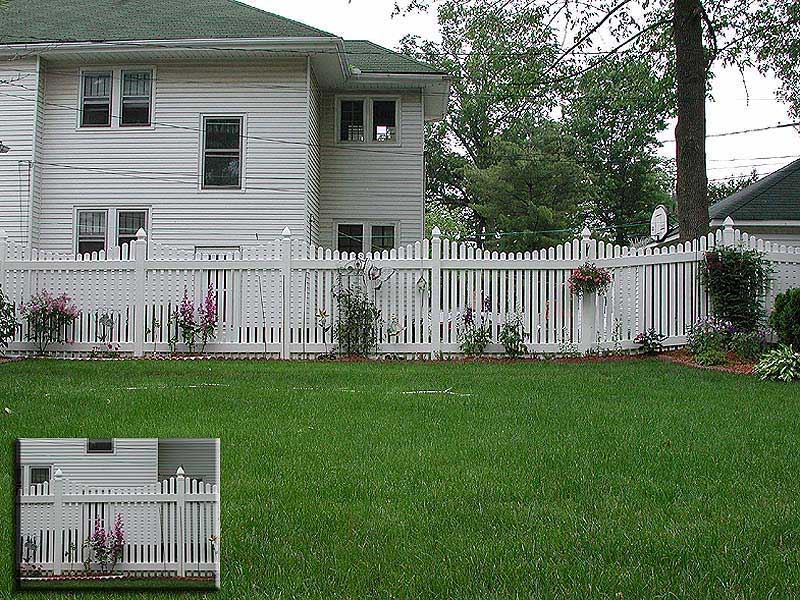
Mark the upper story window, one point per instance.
(384, 120)
(351, 121)
(222, 152)
(136, 98)
(96, 99)
(368, 120)
(100, 446)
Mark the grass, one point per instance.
(619, 479)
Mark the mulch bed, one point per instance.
(735, 365)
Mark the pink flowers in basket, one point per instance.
(589, 278)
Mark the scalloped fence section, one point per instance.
(171, 528)
(279, 299)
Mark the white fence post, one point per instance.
(588, 301)
(728, 234)
(180, 507)
(436, 293)
(139, 255)
(286, 272)
(58, 521)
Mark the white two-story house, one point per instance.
(209, 123)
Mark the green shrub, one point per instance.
(709, 335)
(785, 318)
(8, 320)
(781, 364)
(711, 357)
(736, 281)
(749, 345)
(357, 317)
(512, 336)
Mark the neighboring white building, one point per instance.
(211, 124)
(116, 462)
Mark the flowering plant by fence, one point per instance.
(280, 299)
(105, 547)
(48, 317)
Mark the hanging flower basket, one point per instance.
(589, 278)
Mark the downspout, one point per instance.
(33, 165)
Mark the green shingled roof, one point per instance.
(776, 197)
(114, 20)
(371, 58)
(32, 21)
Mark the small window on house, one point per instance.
(350, 238)
(128, 223)
(91, 231)
(40, 475)
(351, 121)
(222, 152)
(100, 446)
(384, 120)
(136, 97)
(96, 100)
(382, 237)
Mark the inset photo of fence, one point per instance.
(117, 513)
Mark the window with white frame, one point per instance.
(363, 237)
(100, 446)
(96, 99)
(377, 115)
(222, 152)
(39, 475)
(104, 228)
(136, 98)
(91, 231)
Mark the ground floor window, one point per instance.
(363, 237)
(39, 475)
(108, 227)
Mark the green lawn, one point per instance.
(619, 480)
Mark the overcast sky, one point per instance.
(729, 111)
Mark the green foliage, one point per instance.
(785, 318)
(475, 330)
(512, 336)
(651, 341)
(711, 357)
(8, 320)
(748, 345)
(709, 335)
(531, 191)
(781, 364)
(736, 281)
(357, 316)
(719, 190)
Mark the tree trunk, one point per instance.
(690, 132)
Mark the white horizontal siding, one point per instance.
(383, 184)
(166, 158)
(133, 463)
(18, 92)
(314, 159)
(198, 457)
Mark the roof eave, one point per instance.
(435, 88)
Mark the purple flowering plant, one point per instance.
(589, 278)
(48, 317)
(191, 323)
(105, 547)
(474, 328)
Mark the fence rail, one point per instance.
(269, 296)
(171, 527)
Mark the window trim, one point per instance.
(122, 73)
(112, 222)
(116, 96)
(82, 97)
(125, 209)
(368, 119)
(76, 225)
(242, 152)
(28, 473)
(113, 447)
(367, 225)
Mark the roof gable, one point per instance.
(26, 21)
(776, 197)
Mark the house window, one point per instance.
(384, 120)
(100, 446)
(91, 231)
(382, 237)
(129, 222)
(40, 475)
(350, 238)
(136, 98)
(222, 152)
(351, 121)
(96, 100)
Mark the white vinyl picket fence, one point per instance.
(171, 527)
(269, 296)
